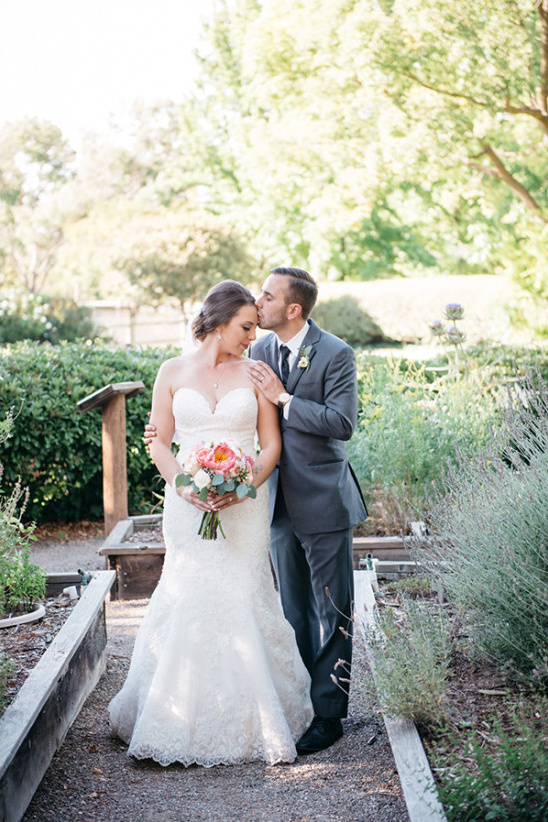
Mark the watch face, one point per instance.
(284, 397)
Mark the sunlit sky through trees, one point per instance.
(77, 62)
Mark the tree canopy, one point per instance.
(355, 139)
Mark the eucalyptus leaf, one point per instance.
(241, 491)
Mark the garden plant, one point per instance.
(22, 583)
(486, 551)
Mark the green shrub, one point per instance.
(44, 319)
(55, 449)
(7, 670)
(346, 319)
(411, 658)
(488, 539)
(411, 427)
(21, 583)
(510, 780)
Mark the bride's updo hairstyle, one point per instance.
(222, 303)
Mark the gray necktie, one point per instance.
(284, 365)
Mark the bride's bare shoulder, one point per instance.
(174, 366)
(245, 363)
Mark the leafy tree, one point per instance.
(36, 167)
(181, 255)
(484, 68)
(472, 82)
(394, 137)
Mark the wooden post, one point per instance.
(112, 400)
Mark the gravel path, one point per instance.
(92, 779)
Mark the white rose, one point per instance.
(202, 479)
(303, 362)
(191, 465)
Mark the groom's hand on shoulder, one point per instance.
(268, 383)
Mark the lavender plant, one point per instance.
(488, 538)
(411, 656)
(508, 783)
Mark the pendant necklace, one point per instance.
(216, 383)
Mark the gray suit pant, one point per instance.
(305, 566)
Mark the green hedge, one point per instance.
(44, 319)
(345, 318)
(54, 448)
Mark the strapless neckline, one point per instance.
(219, 401)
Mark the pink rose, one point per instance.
(196, 459)
(221, 458)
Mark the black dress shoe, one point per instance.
(323, 732)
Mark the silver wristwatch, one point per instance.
(283, 399)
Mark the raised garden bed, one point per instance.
(416, 777)
(135, 550)
(35, 724)
(26, 643)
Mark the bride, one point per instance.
(215, 677)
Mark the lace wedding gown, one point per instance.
(215, 676)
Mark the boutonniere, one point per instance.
(304, 357)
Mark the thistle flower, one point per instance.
(437, 328)
(454, 311)
(455, 336)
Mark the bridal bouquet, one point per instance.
(219, 468)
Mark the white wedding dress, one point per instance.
(215, 677)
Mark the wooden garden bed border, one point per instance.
(138, 564)
(35, 724)
(417, 781)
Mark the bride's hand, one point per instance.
(191, 496)
(224, 501)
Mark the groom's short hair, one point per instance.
(302, 288)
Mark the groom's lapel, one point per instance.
(296, 373)
(271, 353)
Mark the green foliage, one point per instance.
(35, 159)
(21, 582)
(411, 427)
(7, 670)
(175, 254)
(413, 586)
(36, 172)
(510, 780)
(359, 140)
(345, 318)
(44, 319)
(55, 449)
(488, 542)
(411, 652)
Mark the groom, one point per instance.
(314, 495)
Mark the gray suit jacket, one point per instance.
(320, 489)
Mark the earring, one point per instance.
(218, 335)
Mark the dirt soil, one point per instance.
(26, 643)
(92, 779)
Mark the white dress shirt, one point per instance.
(294, 345)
